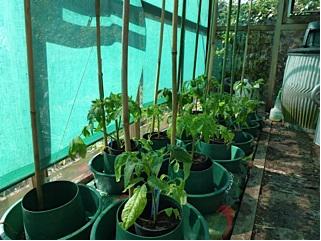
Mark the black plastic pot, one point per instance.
(175, 233)
(245, 141)
(11, 223)
(104, 182)
(158, 143)
(61, 202)
(256, 118)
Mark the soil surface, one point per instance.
(289, 203)
(200, 162)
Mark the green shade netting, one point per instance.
(65, 65)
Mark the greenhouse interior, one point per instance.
(155, 119)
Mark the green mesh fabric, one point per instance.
(65, 65)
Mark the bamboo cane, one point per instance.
(124, 74)
(196, 37)
(33, 111)
(227, 36)
(159, 59)
(182, 48)
(174, 71)
(246, 46)
(100, 72)
(213, 44)
(234, 45)
(208, 34)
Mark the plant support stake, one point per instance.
(124, 74)
(174, 72)
(246, 46)
(213, 44)
(159, 59)
(100, 72)
(33, 111)
(227, 37)
(182, 49)
(234, 45)
(196, 37)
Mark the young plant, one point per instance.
(141, 172)
(155, 112)
(113, 113)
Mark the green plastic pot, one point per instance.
(234, 163)
(210, 202)
(104, 182)
(112, 153)
(199, 182)
(214, 151)
(11, 227)
(104, 228)
(256, 118)
(157, 143)
(164, 202)
(61, 202)
(245, 141)
(253, 128)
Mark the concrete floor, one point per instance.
(289, 202)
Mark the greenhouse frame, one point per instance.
(155, 119)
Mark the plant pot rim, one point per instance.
(216, 192)
(197, 213)
(234, 159)
(69, 236)
(52, 209)
(256, 125)
(160, 236)
(251, 139)
(94, 171)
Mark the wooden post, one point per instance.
(124, 74)
(174, 72)
(213, 44)
(234, 45)
(246, 43)
(33, 111)
(275, 54)
(100, 72)
(182, 48)
(227, 37)
(196, 37)
(159, 59)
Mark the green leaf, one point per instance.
(168, 211)
(77, 147)
(134, 207)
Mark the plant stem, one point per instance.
(159, 60)
(117, 133)
(174, 71)
(124, 78)
(193, 148)
(158, 125)
(33, 113)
